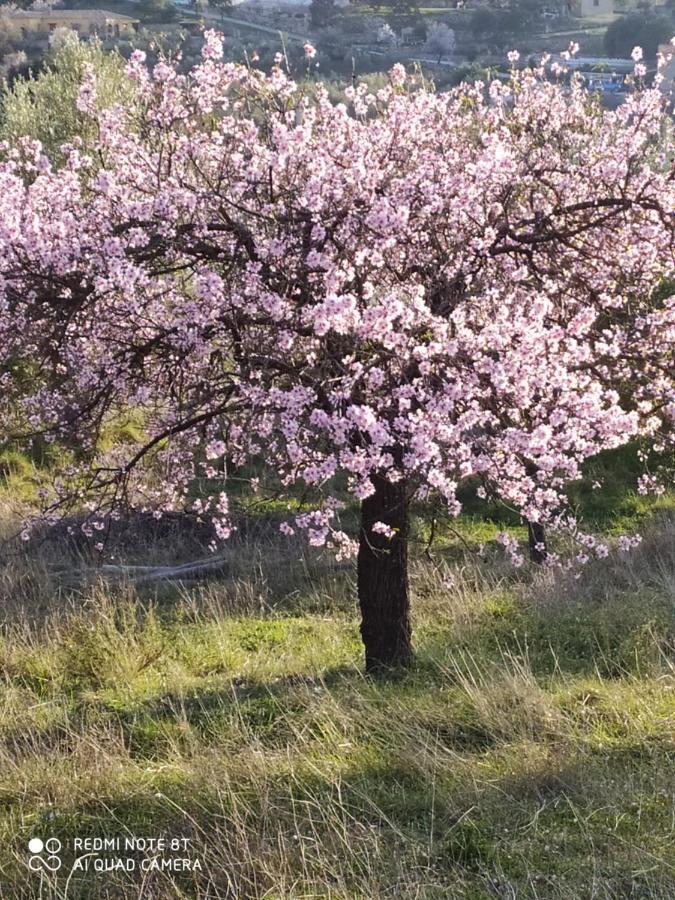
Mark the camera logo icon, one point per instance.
(44, 855)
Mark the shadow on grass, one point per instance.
(393, 826)
(394, 788)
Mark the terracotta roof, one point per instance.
(54, 15)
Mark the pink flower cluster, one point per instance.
(429, 287)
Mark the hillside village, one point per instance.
(448, 39)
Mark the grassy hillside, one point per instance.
(530, 754)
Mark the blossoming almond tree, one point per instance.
(393, 297)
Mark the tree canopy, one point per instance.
(644, 29)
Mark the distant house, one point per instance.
(584, 8)
(25, 22)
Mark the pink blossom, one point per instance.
(397, 75)
(355, 296)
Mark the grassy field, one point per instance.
(529, 754)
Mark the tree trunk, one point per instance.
(382, 575)
(536, 537)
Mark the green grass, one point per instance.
(530, 752)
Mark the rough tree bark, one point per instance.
(382, 576)
(536, 537)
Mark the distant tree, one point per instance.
(12, 66)
(331, 42)
(322, 13)
(420, 30)
(6, 44)
(44, 107)
(224, 6)
(470, 73)
(386, 35)
(641, 29)
(501, 26)
(484, 23)
(522, 17)
(60, 37)
(440, 40)
(16, 4)
(158, 10)
(355, 26)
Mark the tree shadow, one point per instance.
(570, 818)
